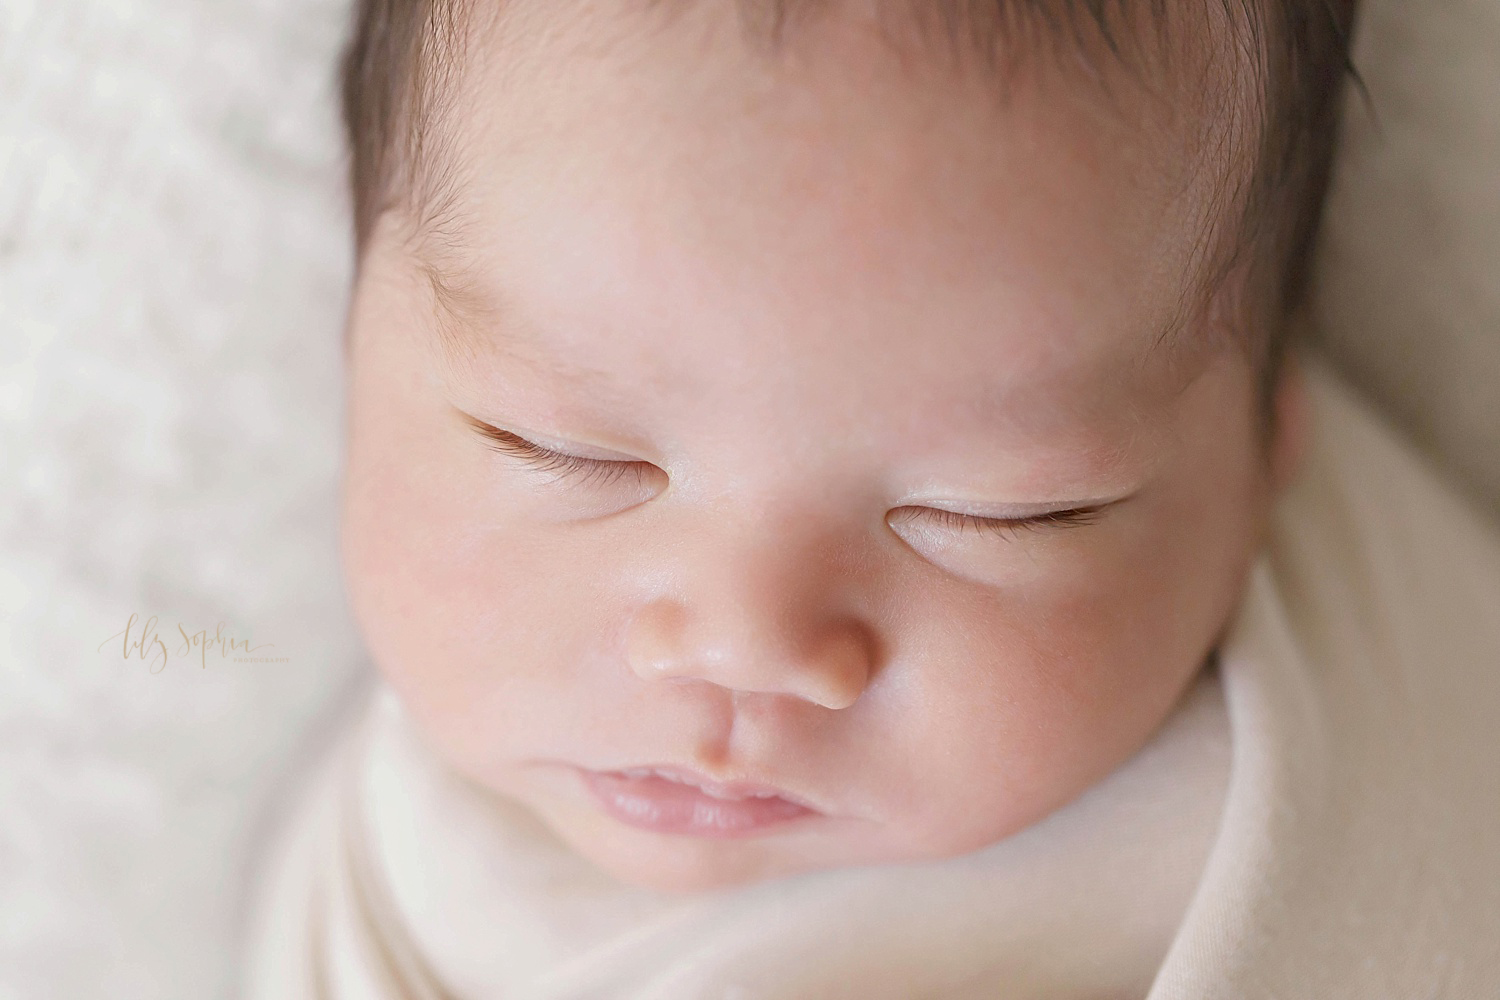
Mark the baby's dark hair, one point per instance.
(399, 71)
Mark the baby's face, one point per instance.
(804, 327)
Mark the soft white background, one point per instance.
(173, 268)
(173, 265)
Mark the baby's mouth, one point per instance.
(671, 800)
(730, 790)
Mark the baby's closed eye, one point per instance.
(581, 471)
(1004, 526)
(573, 469)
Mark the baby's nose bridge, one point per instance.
(756, 609)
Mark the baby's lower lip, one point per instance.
(662, 806)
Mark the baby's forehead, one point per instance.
(664, 98)
(1176, 82)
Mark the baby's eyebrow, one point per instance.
(442, 258)
(460, 311)
(471, 318)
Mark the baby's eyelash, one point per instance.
(601, 472)
(1008, 527)
(564, 467)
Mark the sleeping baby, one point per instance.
(836, 510)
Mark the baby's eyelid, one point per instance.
(515, 444)
(573, 469)
(1044, 520)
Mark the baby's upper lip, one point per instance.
(727, 789)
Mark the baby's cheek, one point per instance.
(490, 628)
(1038, 695)
(427, 584)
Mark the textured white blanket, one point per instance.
(173, 264)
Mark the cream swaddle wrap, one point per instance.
(427, 887)
(1319, 817)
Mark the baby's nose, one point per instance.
(830, 669)
(756, 624)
